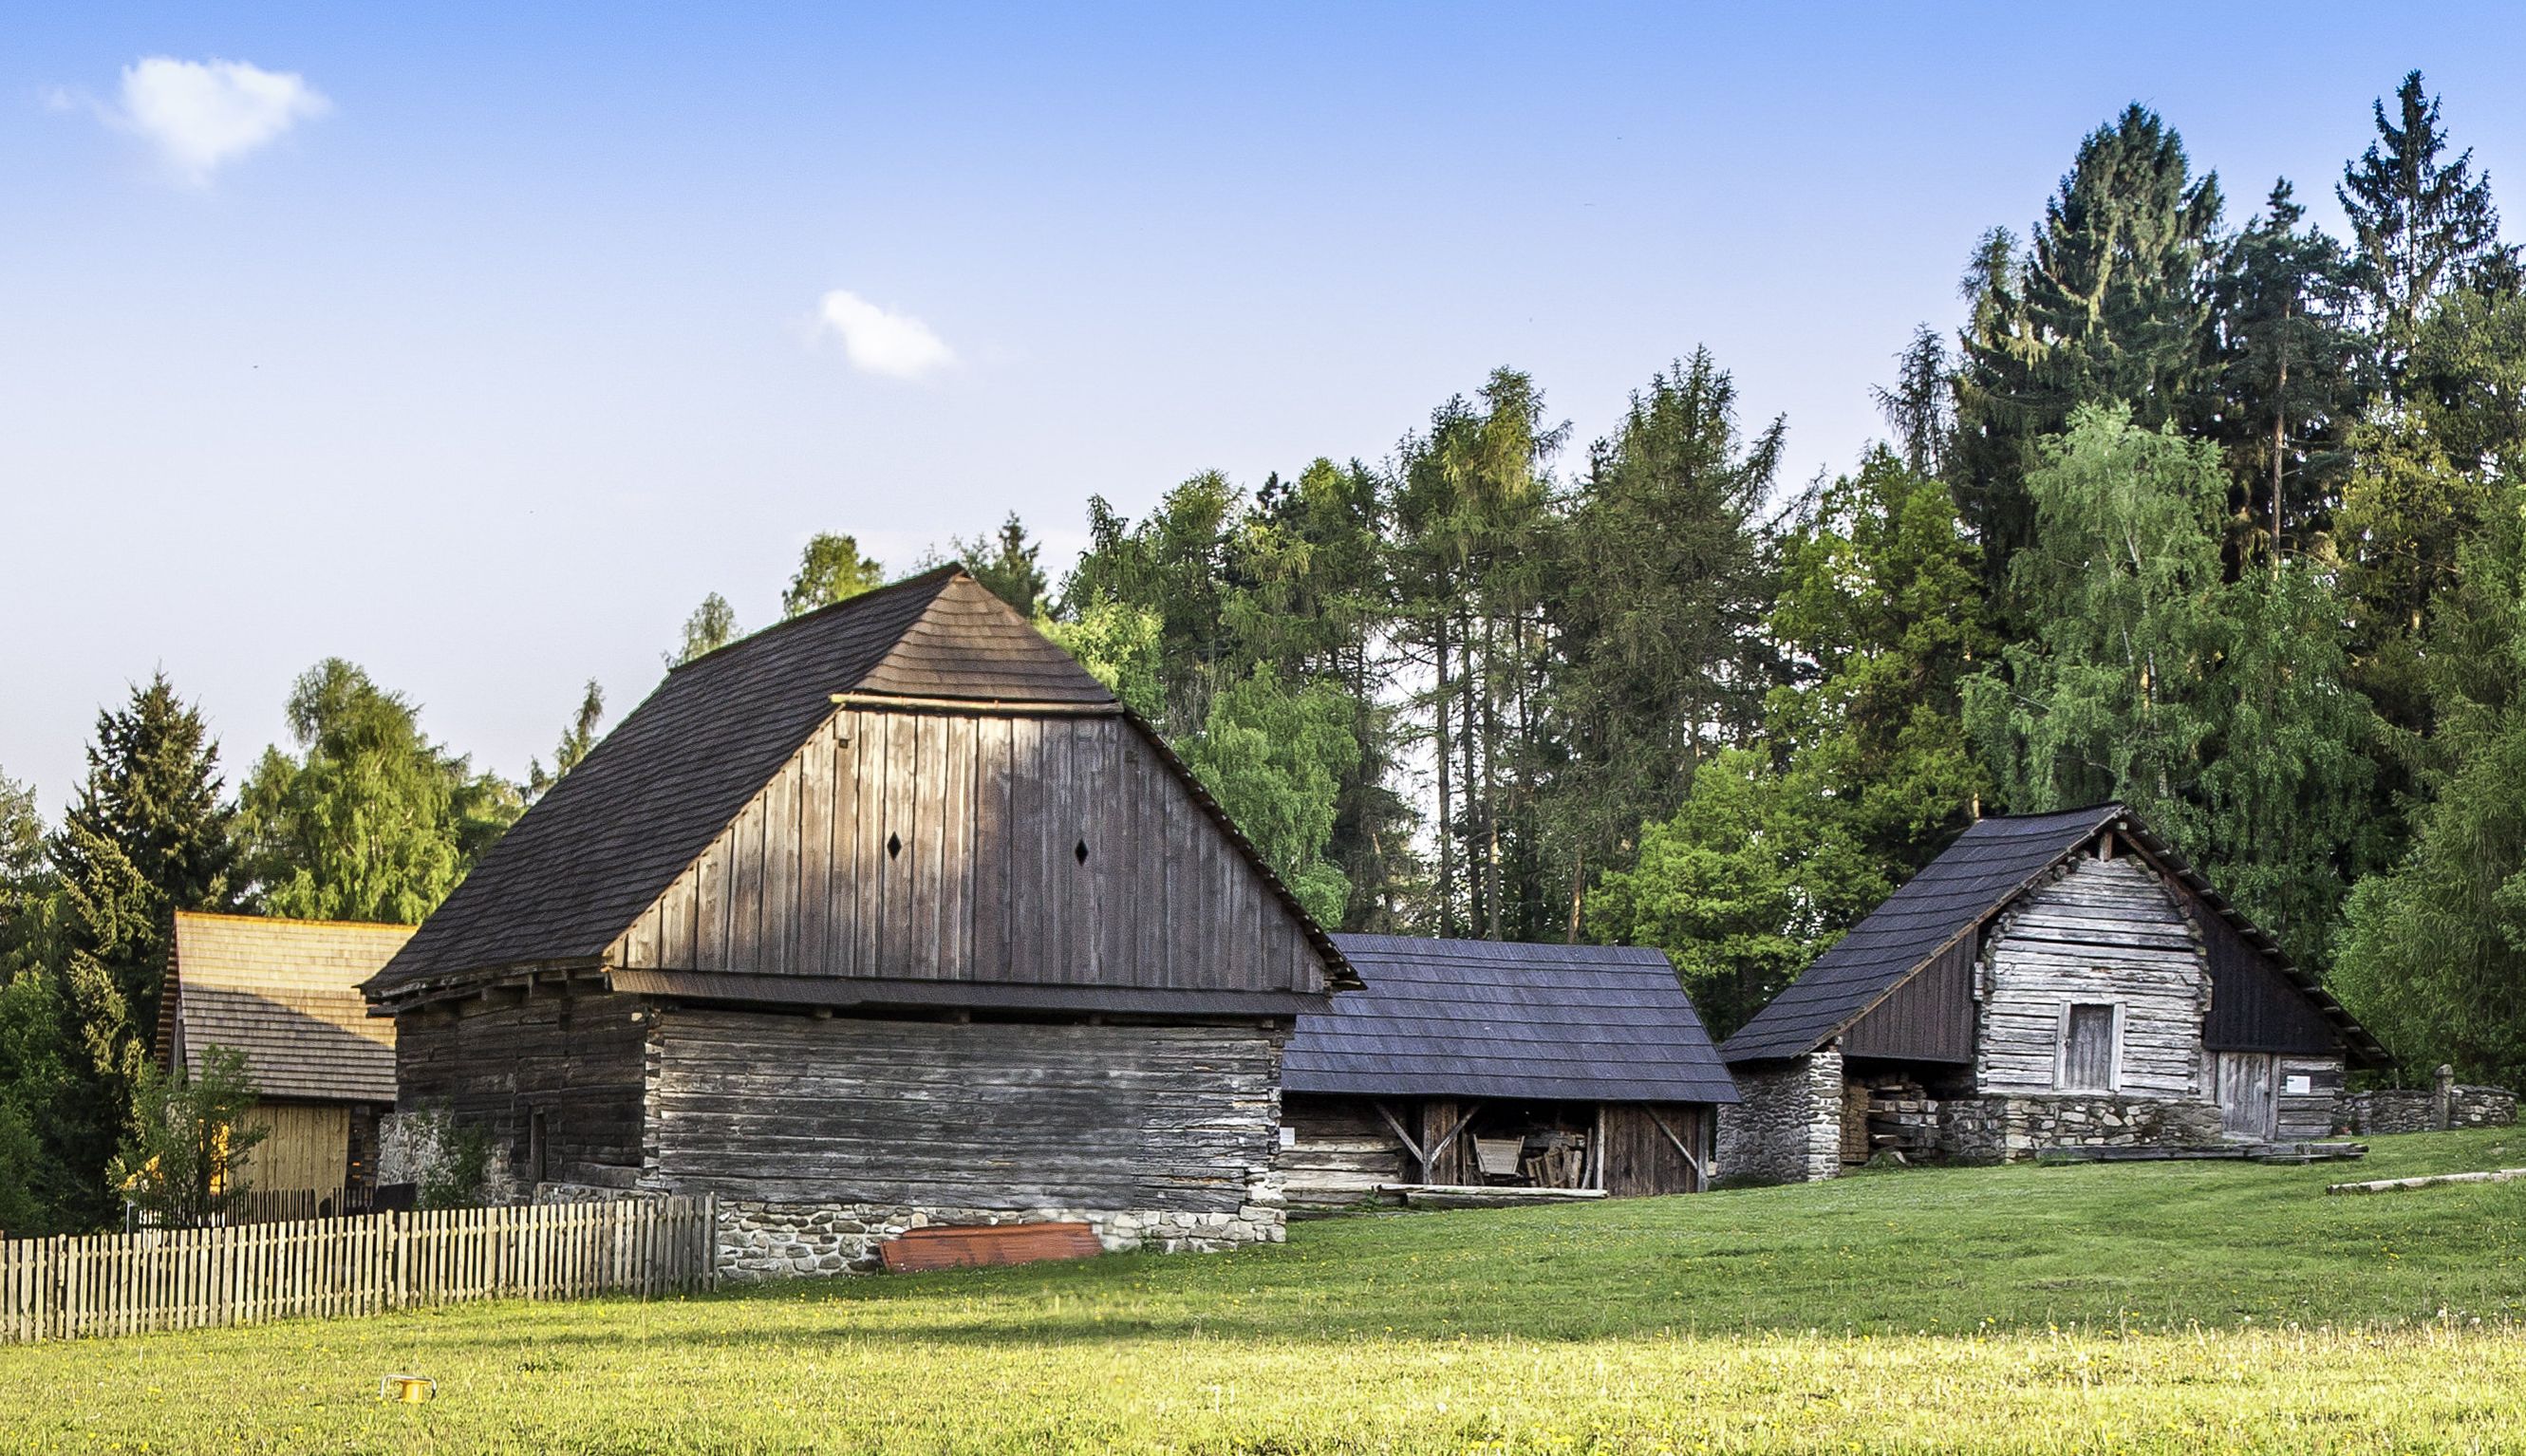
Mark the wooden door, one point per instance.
(2088, 1049)
(2247, 1107)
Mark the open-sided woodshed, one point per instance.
(1479, 1065)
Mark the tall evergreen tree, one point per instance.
(1921, 407)
(2420, 224)
(2434, 955)
(1473, 505)
(1008, 563)
(148, 837)
(1659, 589)
(149, 820)
(371, 820)
(2292, 376)
(2107, 304)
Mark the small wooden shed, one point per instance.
(2052, 981)
(287, 994)
(888, 915)
(1478, 1064)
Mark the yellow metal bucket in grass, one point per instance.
(411, 1390)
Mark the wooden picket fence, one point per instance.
(194, 1279)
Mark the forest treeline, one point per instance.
(2218, 516)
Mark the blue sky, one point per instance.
(504, 346)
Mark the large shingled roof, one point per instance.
(607, 840)
(1986, 868)
(1487, 1019)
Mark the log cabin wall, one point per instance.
(576, 1056)
(2105, 932)
(935, 845)
(1337, 1150)
(793, 1109)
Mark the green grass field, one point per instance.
(2113, 1308)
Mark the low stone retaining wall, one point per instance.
(779, 1240)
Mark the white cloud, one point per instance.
(202, 115)
(878, 342)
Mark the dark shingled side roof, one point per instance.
(1484, 1018)
(1984, 869)
(566, 880)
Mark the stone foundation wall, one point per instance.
(1788, 1127)
(781, 1241)
(1997, 1130)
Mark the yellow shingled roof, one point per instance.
(286, 992)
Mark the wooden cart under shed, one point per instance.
(1479, 1065)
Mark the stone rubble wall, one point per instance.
(2000, 1129)
(1786, 1128)
(2415, 1110)
(414, 1146)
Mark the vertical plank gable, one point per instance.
(990, 812)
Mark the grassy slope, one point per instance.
(2184, 1306)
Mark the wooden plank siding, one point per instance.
(1929, 1017)
(945, 846)
(1641, 1159)
(578, 1056)
(2105, 932)
(984, 1115)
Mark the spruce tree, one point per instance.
(148, 836)
(2293, 378)
(1007, 563)
(2419, 223)
(1661, 581)
(2107, 304)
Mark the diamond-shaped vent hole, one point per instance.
(893, 845)
(1081, 853)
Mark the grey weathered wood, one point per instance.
(978, 1114)
(2049, 953)
(987, 884)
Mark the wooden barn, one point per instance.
(287, 994)
(891, 915)
(1477, 1068)
(2051, 980)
